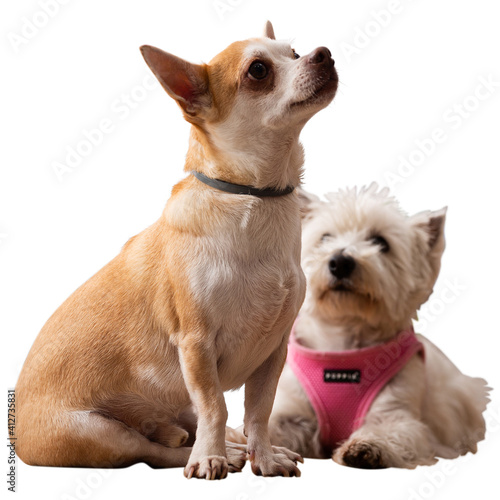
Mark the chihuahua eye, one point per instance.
(381, 242)
(295, 54)
(325, 236)
(258, 70)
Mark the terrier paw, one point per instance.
(275, 464)
(211, 467)
(360, 454)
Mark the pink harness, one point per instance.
(341, 385)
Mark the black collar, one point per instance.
(229, 187)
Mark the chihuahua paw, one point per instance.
(171, 436)
(360, 454)
(211, 467)
(294, 457)
(177, 438)
(274, 464)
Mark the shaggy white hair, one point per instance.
(429, 409)
(386, 290)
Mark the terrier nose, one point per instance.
(341, 266)
(321, 55)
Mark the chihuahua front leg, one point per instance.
(260, 390)
(208, 458)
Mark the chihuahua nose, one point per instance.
(321, 55)
(341, 266)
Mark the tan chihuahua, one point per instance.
(134, 365)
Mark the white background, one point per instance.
(398, 83)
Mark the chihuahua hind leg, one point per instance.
(117, 445)
(110, 443)
(89, 439)
(170, 436)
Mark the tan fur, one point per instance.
(135, 362)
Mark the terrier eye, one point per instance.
(258, 70)
(381, 242)
(295, 54)
(325, 236)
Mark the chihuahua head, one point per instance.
(253, 96)
(366, 261)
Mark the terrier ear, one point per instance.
(429, 228)
(433, 225)
(269, 31)
(185, 82)
(308, 203)
(435, 228)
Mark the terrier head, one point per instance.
(366, 261)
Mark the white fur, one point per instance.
(429, 409)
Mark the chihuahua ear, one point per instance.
(185, 82)
(269, 31)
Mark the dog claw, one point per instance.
(212, 467)
(284, 472)
(257, 471)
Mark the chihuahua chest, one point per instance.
(248, 282)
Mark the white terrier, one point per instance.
(359, 385)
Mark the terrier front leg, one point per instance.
(293, 423)
(399, 440)
(393, 434)
(260, 390)
(296, 433)
(208, 458)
